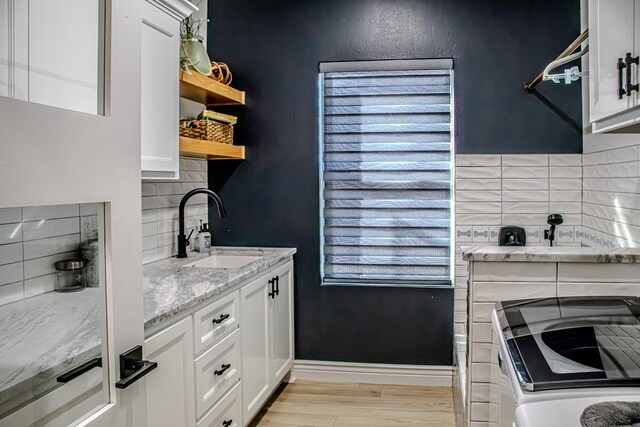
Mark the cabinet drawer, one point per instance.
(227, 413)
(217, 371)
(216, 321)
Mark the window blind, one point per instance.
(386, 177)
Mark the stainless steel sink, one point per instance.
(224, 261)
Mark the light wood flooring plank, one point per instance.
(308, 404)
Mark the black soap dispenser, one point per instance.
(512, 235)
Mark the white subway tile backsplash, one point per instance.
(149, 243)
(198, 165)
(481, 234)
(10, 233)
(11, 273)
(11, 293)
(525, 160)
(528, 207)
(39, 285)
(565, 184)
(524, 219)
(37, 213)
(478, 184)
(525, 172)
(565, 207)
(612, 185)
(191, 176)
(534, 234)
(525, 184)
(565, 160)
(50, 228)
(479, 219)
(55, 245)
(149, 189)
(10, 215)
(618, 170)
(464, 233)
(149, 202)
(478, 196)
(484, 160)
(10, 253)
(149, 229)
(568, 172)
(478, 207)
(478, 172)
(525, 196)
(565, 196)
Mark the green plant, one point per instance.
(191, 27)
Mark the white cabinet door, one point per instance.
(611, 35)
(170, 389)
(160, 93)
(254, 315)
(281, 324)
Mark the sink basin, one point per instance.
(224, 261)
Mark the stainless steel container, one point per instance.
(69, 275)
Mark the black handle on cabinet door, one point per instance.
(227, 423)
(621, 66)
(272, 282)
(132, 367)
(628, 61)
(221, 319)
(76, 372)
(277, 279)
(222, 369)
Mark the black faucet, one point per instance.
(183, 240)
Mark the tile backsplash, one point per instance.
(160, 201)
(611, 205)
(495, 190)
(32, 239)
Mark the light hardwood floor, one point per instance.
(339, 404)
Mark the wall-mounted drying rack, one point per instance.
(567, 55)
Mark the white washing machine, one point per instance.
(560, 355)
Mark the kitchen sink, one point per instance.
(224, 261)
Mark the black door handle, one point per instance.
(222, 369)
(221, 319)
(132, 367)
(628, 61)
(77, 371)
(227, 423)
(277, 279)
(621, 66)
(272, 282)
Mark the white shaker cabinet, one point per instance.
(266, 310)
(614, 47)
(161, 86)
(170, 390)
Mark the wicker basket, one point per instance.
(207, 130)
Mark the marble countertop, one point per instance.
(46, 335)
(547, 254)
(171, 288)
(42, 337)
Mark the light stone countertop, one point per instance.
(46, 335)
(42, 337)
(548, 254)
(170, 288)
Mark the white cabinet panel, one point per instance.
(611, 36)
(217, 371)
(281, 324)
(160, 94)
(170, 387)
(226, 413)
(254, 309)
(216, 321)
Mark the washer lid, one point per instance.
(558, 343)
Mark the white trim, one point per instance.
(372, 373)
(387, 65)
(179, 9)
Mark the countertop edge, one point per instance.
(547, 254)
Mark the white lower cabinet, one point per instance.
(170, 388)
(217, 367)
(266, 313)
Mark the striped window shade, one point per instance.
(386, 177)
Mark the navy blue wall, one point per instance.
(274, 48)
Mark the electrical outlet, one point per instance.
(86, 227)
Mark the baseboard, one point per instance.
(372, 373)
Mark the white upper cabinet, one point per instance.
(614, 46)
(161, 87)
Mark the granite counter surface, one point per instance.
(170, 288)
(548, 254)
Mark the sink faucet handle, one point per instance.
(188, 239)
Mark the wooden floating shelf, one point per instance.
(205, 90)
(210, 150)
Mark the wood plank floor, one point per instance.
(339, 404)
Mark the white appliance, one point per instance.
(558, 356)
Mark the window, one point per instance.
(386, 173)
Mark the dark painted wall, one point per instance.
(274, 48)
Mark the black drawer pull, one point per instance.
(629, 61)
(221, 319)
(277, 290)
(227, 423)
(76, 372)
(222, 369)
(621, 66)
(273, 293)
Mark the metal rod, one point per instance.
(529, 87)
